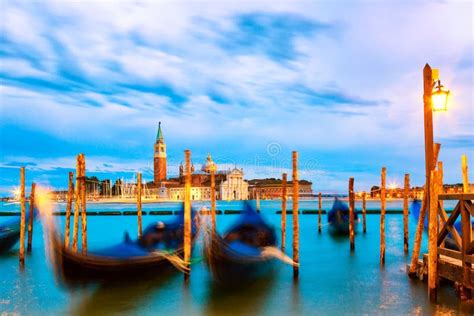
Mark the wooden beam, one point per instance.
(465, 180)
(187, 213)
(296, 237)
(457, 196)
(320, 209)
(77, 203)
(433, 238)
(22, 216)
(84, 203)
(69, 198)
(31, 217)
(351, 214)
(283, 211)
(139, 203)
(466, 226)
(364, 213)
(406, 193)
(382, 216)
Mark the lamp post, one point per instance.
(435, 98)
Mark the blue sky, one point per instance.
(338, 81)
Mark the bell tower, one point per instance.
(159, 166)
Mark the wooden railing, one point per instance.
(457, 245)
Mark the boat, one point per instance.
(159, 247)
(10, 232)
(245, 252)
(338, 218)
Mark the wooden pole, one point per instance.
(31, 217)
(320, 207)
(364, 213)
(382, 217)
(139, 203)
(466, 227)
(421, 222)
(70, 190)
(465, 180)
(433, 238)
(351, 213)
(23, 216)
(187, 213)
(440, 182)
(283, 211)
(296, 245)
(428, 127)
(213, 201)
(257, 201)
(83, 197)
(77, 204)
(406, 193)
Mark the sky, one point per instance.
(248, 82)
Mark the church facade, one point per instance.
(230, 184)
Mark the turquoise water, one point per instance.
(332, 280)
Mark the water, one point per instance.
(332, 280)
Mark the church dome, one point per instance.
(209, 165)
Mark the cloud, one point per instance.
(326, 79)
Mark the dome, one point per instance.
(209, 165)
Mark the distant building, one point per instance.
(271, 188)
(159, 159)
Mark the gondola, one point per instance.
(338, 218)
(245, 252)
(160, 246)
(10, 232)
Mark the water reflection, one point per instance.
(120, 296)
(246, 300)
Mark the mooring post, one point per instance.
(77, 204)
(22, 217)
(440, 189)
(296, 236)
(465, 180)
(351, 213)
(213, 201)
(421, 221)
(382, 217)
(187, 213)
(466, 227)
(258, 201)
(320, 207)
(83, 196)
(139, 203)
(67, 230)
(364, 213)
(30, 217)
(406, 193)
(283, 211)
(433, 238)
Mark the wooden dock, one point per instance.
(455, 252)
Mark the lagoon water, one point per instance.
(332, 280)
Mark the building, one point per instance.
(234, 187)
(271, 188)
(159, 159)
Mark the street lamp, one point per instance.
(440, 97)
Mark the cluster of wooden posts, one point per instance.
(23, 217)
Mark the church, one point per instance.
(230, 183)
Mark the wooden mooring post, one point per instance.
(351, 214)
(364, 213)
(433, 238)
(69, 198)
(22, 216)
(31, 217)
(296, 244)
(283, 211)
(406, 193)
(187, 214)
(139, 203)
(382, 217)
(465, 180)
(77, 204)
(421, 220)
(83, 198)
(320, 210)
(213, 201)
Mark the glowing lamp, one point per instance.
(440, 97)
